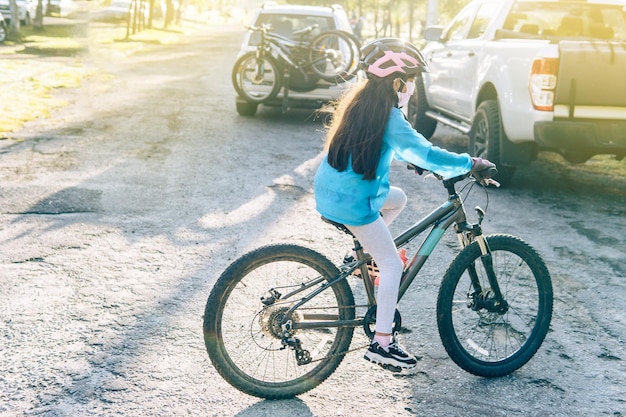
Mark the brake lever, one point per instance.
(491, 181)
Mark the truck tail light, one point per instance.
(542, 83)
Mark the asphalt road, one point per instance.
(119, 212)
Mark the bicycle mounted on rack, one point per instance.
(279, 62)
(281, 318)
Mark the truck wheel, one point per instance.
(417, 111)
(485, 138)
(245, 108)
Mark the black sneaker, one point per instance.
(393, 357)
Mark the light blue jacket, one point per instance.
(347, 198)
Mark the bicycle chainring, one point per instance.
(369, 322)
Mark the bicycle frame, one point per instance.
(299, 335)
(439, 220)
(281, 46)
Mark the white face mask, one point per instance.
(403, 98)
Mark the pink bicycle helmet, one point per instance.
(386, 56)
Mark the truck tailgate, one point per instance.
(592, 75)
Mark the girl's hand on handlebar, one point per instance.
(483, 170)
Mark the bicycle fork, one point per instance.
(490, 299)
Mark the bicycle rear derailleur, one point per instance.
(303, 356)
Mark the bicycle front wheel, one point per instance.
(334, 56)
(257, 79)
(483, 335)
(243, 315)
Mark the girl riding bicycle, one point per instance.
(367, 132)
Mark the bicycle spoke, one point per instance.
(261, 354)
(487, 335)
(334, 56)
(256, 79)
(495, 337)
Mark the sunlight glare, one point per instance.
(243, 213)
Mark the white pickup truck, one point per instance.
(523, 76)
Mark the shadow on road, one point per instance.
(278, 408)
(550, 173)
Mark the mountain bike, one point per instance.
(281, 318)
(279, 62)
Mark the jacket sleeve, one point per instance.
(410, 146)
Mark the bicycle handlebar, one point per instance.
(263, 28)
(484, 177)
(267, 28)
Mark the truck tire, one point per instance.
(485, 139)
(245, 108)
(417, 111)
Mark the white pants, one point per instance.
(378, 242)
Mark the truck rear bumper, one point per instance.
(592, 137)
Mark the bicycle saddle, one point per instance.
(306, 30)
(339, 226)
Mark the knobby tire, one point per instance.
(485, 138)
(242, 335)
(334, 56)
(492, 344)
(253, 86)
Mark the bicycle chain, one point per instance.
(345, 352)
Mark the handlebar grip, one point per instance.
(415, 168)
(490, 172)
(485, 176)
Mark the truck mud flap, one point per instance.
(516, 154)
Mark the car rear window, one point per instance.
(286, 24)
(576, 19)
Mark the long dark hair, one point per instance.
(358, 125)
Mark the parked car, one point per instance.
(53, 6)
(63, 8)
(3, 29)
(285, 20)
(26, 10)
(524, 76)
(119, 10)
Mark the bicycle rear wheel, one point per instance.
(334, 56)
(481, 336)
(242, 331)
(257, 79)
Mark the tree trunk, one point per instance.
(15, 18)
(38, 22)
(169, 13)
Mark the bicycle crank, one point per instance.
(369, 322)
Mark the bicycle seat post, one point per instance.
(360, 255)
(358, 249)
